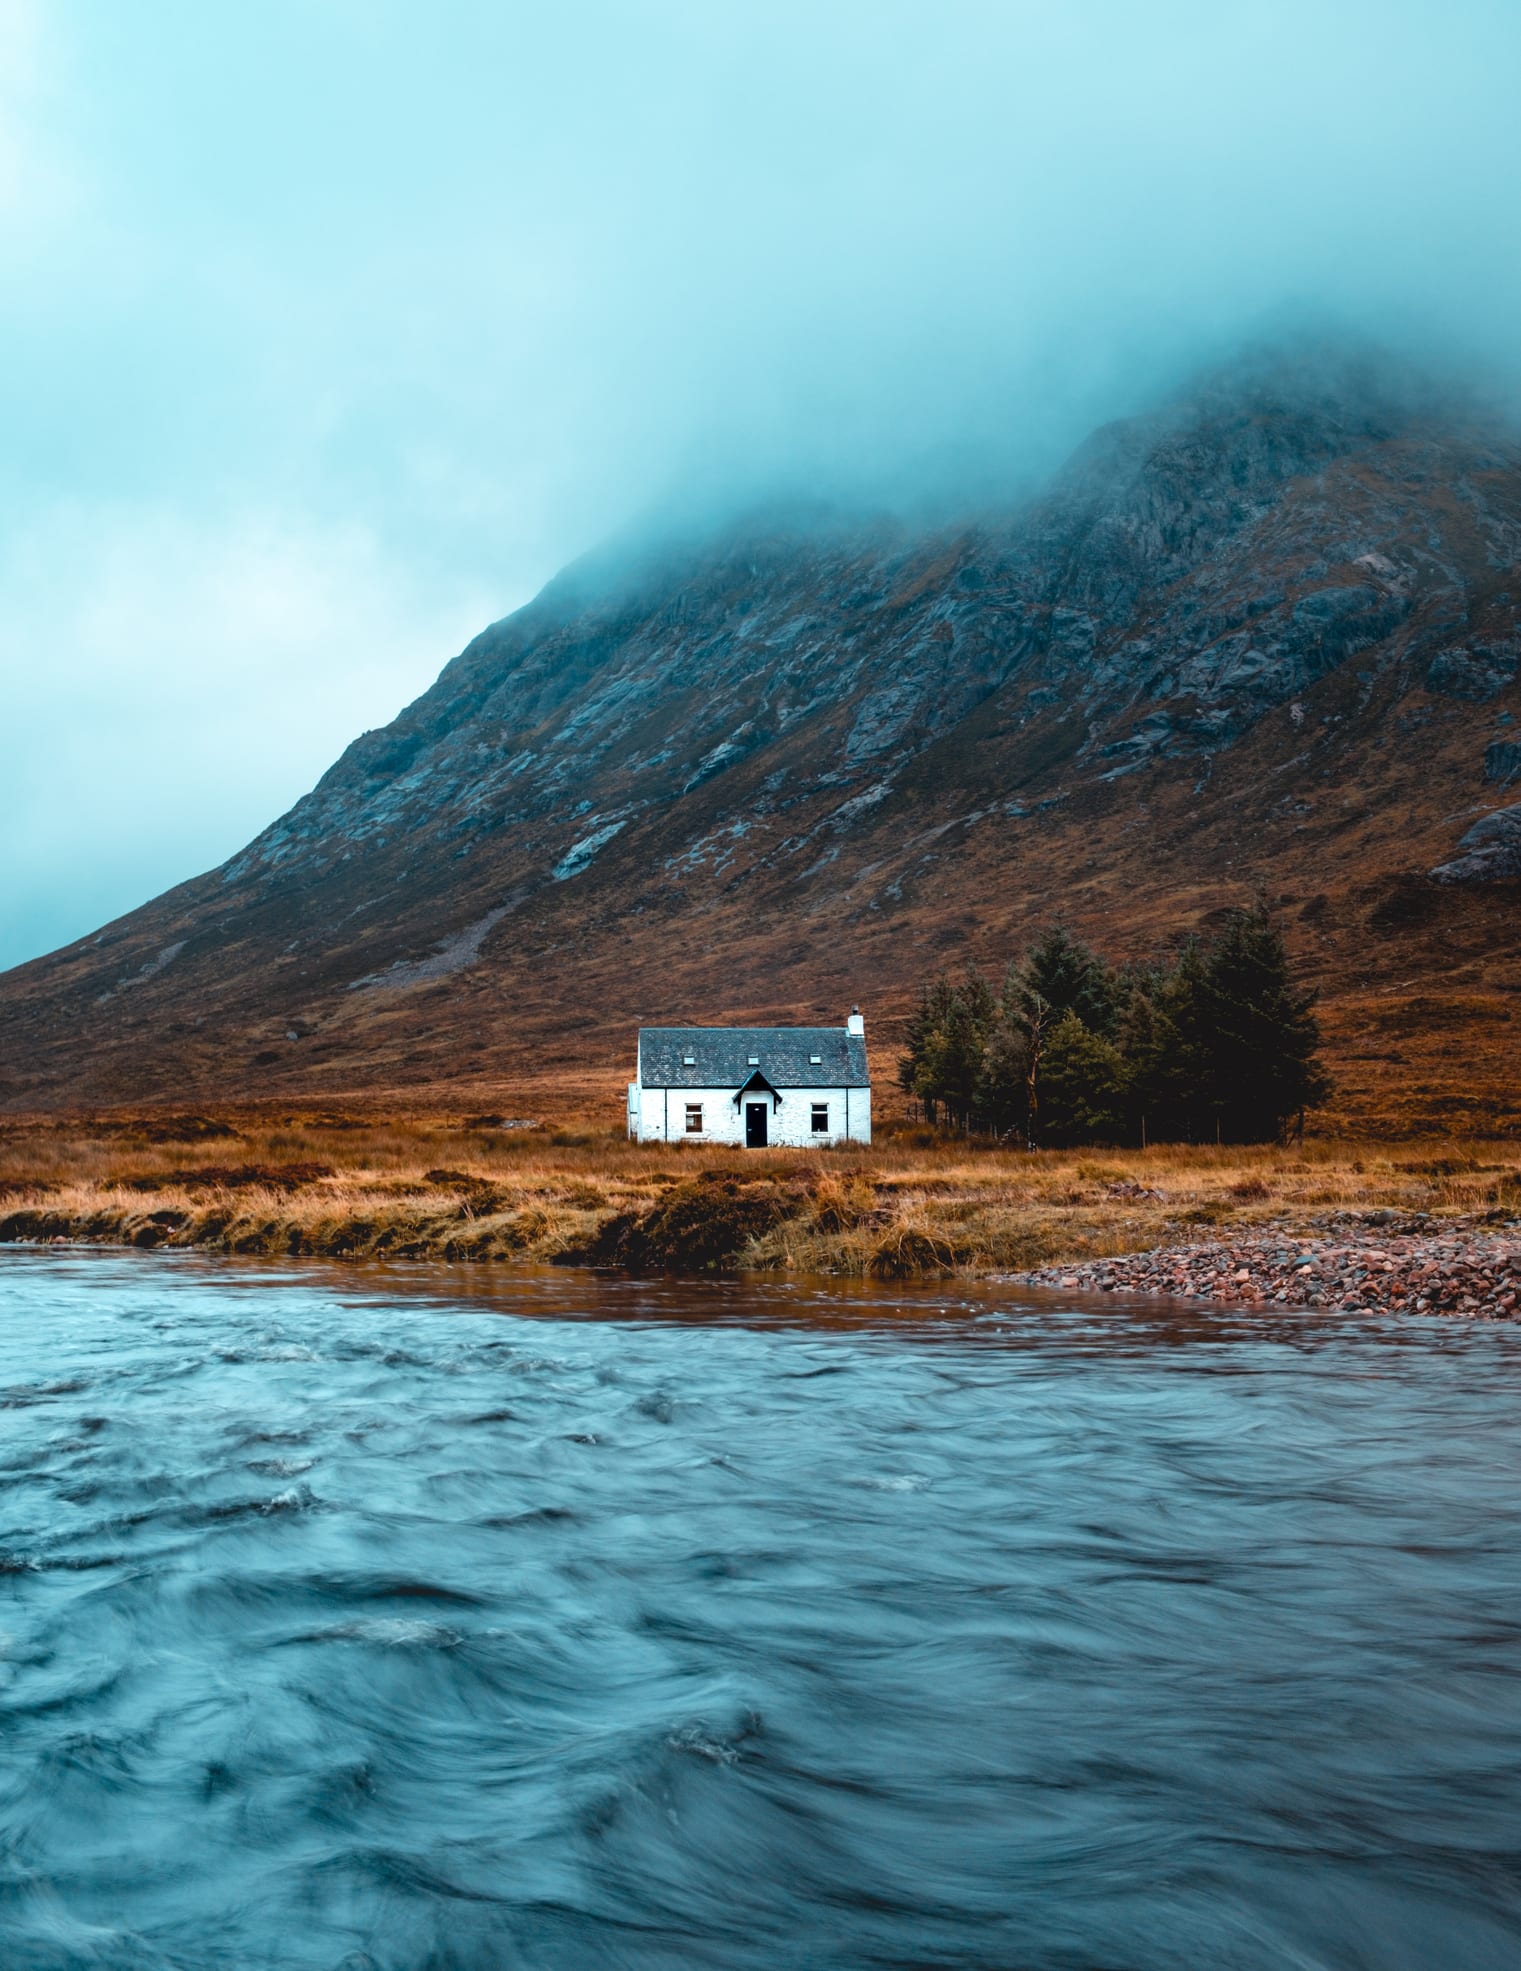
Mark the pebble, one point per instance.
(1451, 1270)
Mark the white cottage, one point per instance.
(755, 1086)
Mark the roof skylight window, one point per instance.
(754, 1060)
(689, 1060)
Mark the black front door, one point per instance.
(755, 1125)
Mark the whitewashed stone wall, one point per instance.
(658, 1115)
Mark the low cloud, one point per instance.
(172, 684)
(330, 331)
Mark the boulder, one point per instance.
(1502, 760)
(1479, 671)
(1489, 853)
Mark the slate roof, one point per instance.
(721, 1057)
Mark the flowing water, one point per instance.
(395, 1622)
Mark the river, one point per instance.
(428, 1619)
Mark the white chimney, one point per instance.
(855, 1024)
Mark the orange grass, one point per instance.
(430, 1187)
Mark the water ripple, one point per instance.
(412, 1619)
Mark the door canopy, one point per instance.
(758, 1085)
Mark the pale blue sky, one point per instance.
(330, 328)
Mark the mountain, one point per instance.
(1262, 640)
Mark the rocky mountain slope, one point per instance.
(1264, 639)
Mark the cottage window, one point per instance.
(694, 1118)
(820, 1118)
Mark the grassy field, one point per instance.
(376, 1187)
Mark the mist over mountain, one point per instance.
(334, 331)
(1263, 639)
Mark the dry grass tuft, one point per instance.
(428, 1187)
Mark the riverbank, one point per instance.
(367, 1187)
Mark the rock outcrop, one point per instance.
(1489, 853)
(1502, 760)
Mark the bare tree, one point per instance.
(1038, 1016)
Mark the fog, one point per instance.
(331, 328)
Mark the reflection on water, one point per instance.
(360, 1621)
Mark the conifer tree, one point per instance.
(1258, 1032)
(947, 1042)
(1003, 1101)
(957, 1050)
(1147, 1041)
(927, 1018)
(1220, 1043)
(1059, 976)
(1082, 1087)
(1063, 974)
(1174, 1083)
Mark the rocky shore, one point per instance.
(1449, 1268)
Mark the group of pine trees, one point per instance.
(1220, 1045)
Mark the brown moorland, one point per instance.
(377, 1187)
